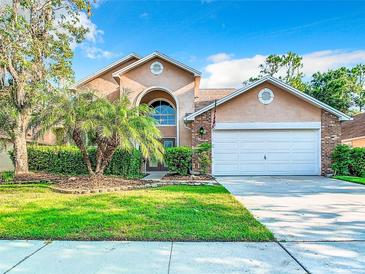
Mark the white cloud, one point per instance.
(92, 39)
(232, 72)
(329, 59)
(95, 34)
(93, 52)
(144, 15)
(219, 57)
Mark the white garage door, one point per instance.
(266, 152)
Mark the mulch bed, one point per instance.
(97, 182)
(103, 184)
(176, 177)
(39, 177)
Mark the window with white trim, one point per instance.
(164, 113)
(156, 68)
(266, 96)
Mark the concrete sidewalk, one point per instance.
(144, 257)
(72, 257)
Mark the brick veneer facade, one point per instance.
(330, 137)
(204, 120)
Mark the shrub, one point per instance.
(68, 160)
(348, 161)
(178, 159)
(6, 176)
(357, 163)
(341, 160)
(202, 153)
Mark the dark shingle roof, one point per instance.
(208, 95)
(354, 128)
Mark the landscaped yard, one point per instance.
(352, 179)
(166, 213)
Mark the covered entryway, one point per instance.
(266, 152)
(165, 108)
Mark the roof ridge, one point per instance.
(215, 88)
(106, 68)
(160, 55)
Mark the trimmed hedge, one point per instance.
(178, 159)
(348, 161)
(68, 160)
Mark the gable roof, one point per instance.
(154, 55)
(278, 83)
(354, 128)
(105, 69)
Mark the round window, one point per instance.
(156, 68)
(266, 96)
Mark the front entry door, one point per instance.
(156, 166)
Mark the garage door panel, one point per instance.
(288, 152)
(224, 157)
(309, 146)
(257, 146)
(226, 169)
(250, 155)
(278, 156)
(275, 146)
(303, 157)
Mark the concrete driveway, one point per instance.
(303, 208)
(319, 221)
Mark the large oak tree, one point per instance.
(36, 39)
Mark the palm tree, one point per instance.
(72, 111)
(114, 124)
(127, 127)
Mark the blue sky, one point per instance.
(225, 39)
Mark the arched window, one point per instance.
(164, 113)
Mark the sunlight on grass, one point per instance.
(351, 179)
(167, 213)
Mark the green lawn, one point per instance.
(352, 179)
(166, 213)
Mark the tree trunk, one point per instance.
(20, 144)
(77, 137)
(107, 157)
(99, 155)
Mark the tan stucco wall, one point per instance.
(285, 107)
(168, 131)
(358, 143)
(5, 162)
(48, 139)
(150, 96)
(355, 143)
(105, 84)
(174, 79)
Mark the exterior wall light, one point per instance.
(202, 131)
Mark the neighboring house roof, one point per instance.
(154, 55)
(107, 68)
(355, 128)
(207, 96)
(278, 83)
